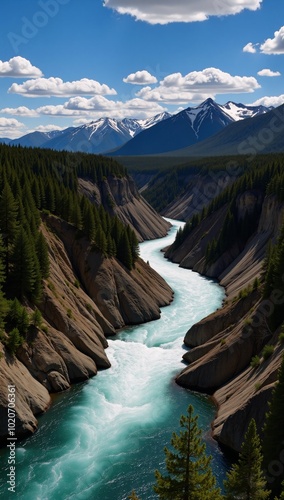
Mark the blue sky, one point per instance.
(67, 62)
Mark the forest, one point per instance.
(35, 183)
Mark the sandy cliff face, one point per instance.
(86, 298)
(223, 344)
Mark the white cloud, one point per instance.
(20, 111)
(267, 101)
(99, 106)
(250, 47)
(58, 88)
(59, 110)
(197, 85)
(47, 128)
(140, 78)
(183, 11)
(10, 127)
(19, 67)
(268, 72)
(274, 45)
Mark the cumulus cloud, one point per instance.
(99, 106)
(268, 101)
(274, 45)
(20, 111)
(140, 78)
(183, 11)
(268, 72)
(10, 127)
(250, 47)
(197, 85)
(47, 128)
(59, 110)
(19, 67)
(56, 87)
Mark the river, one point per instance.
(105, 437)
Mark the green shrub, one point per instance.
(255, 362)
(69, 313)
(268, 350)
(76, 284)
(281, 338)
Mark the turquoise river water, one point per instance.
(105, 437)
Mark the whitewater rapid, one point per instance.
(106, 437)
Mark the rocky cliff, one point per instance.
(224, 344)
(86, 298)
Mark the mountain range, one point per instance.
(163, 133)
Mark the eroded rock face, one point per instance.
(86, 298)
(120, 197)
(31, 397)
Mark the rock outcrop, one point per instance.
(120, 197)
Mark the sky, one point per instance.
(67, 62)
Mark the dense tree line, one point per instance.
(256, 475)
(34, 182)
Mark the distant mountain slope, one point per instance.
(261, 134)
(34, 139)
(188, 127)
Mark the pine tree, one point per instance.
(42, 255)
(37, 318)
(3, 301)
(190, 475)
(273, 436)
(101, 241)
(89, 222)
(14, 340)
(24, 269)
(8, 221)
(124, 253)
(245, 480)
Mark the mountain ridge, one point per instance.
(155, 135)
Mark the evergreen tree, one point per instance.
(37, 318)
(89, 222)
(273, 436)
(245, 480)
(124, 253)
(101, 240)
(8, 221)
(42, 255)
(189, 471)
(24, 268)
(14, 340)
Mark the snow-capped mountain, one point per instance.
(98, 136)
(241, 111)
(160, 134)
(188, 127)
(178, 131)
